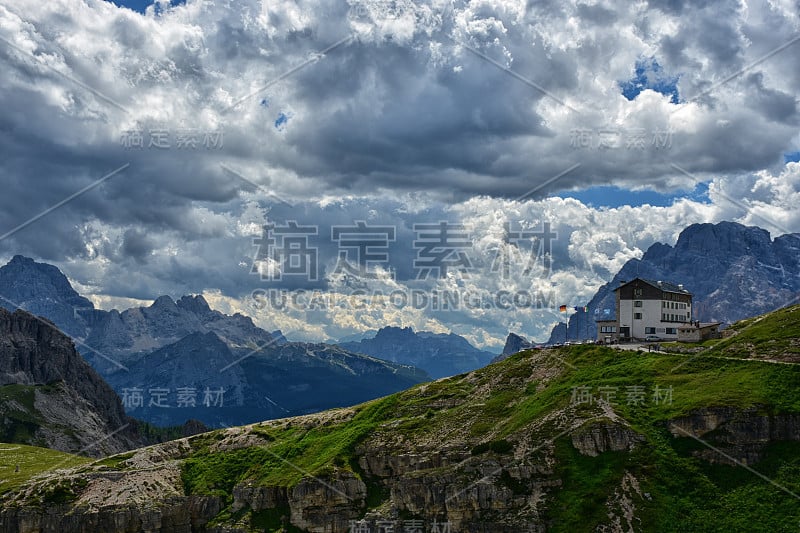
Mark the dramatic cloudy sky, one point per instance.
(616, 123)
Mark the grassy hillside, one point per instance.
(677, 444)
(684, 490)
(773, 336)
(31, 461)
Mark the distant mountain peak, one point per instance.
(43, 290)
(196, 304)
(439, 354)
(164, 301)
(21, 259)
(515, 343)
(388, 331)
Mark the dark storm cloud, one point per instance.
(408, 104)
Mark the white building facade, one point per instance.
(647, 309)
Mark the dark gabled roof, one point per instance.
(665, 286)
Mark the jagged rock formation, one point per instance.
(438, 354)
(733, 272)
(514, 344)
(128, 336)
(278, 336)
(52, 396)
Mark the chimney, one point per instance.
(680, 286)
(659, 283)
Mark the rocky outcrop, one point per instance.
(733, 435)
(604, 436)
(321, 506)
(514, 344)
(174, 515)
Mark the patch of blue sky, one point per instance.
(648, 74)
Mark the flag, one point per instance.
(585, 309)
(563, 308)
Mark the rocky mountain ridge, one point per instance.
(733, 272)
(439, 354)
(179, 347)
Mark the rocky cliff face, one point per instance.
(733, 272)
(742, 435)
(53, 394)
(438, 354)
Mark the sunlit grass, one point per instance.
(31, 461)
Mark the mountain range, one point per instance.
(168, 361)
(439, 354)
(733, 272)
(572, 439)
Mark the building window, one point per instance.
(608, 329)
(671, 331)
(649, 331)
(637, 316)
(637, 303)
(637, 293)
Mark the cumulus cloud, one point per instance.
(228, 117)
